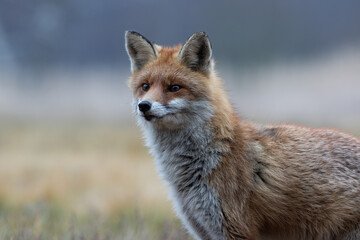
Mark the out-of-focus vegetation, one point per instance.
(47, 220)
(80, 181)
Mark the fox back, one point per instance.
(232, 179)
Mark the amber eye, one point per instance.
(145, 87)
(174, 88)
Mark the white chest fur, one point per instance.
(184, 158)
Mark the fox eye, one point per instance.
(174, 88)
(145, 87)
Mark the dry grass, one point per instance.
(48, 220)
(80, 181)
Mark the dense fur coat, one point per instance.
(230, 179)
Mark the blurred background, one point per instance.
(72, 160)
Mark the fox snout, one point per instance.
(144, 106)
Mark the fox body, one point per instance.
(232, 179)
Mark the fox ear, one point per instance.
(139, 49)
(196, 53)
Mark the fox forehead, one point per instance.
(164, 74)
(165, 54)
(166, 70)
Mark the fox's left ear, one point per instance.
(196, 53)
(140, 50)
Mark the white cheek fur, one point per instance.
(176, 112)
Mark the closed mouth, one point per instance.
(149, 117)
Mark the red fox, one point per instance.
(233, 179)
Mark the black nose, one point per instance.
(144, 106)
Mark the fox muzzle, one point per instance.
(144, 106)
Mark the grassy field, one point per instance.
(80, 181)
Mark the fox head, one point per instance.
(171, 86)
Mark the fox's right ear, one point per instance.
(139, 49)
(196, 53)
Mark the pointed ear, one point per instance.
(196, 53)
(139, 49)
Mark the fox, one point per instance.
(230, 178)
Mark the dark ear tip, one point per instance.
(203, 34)
(200, 35)
(129, 34)
(133, 33)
